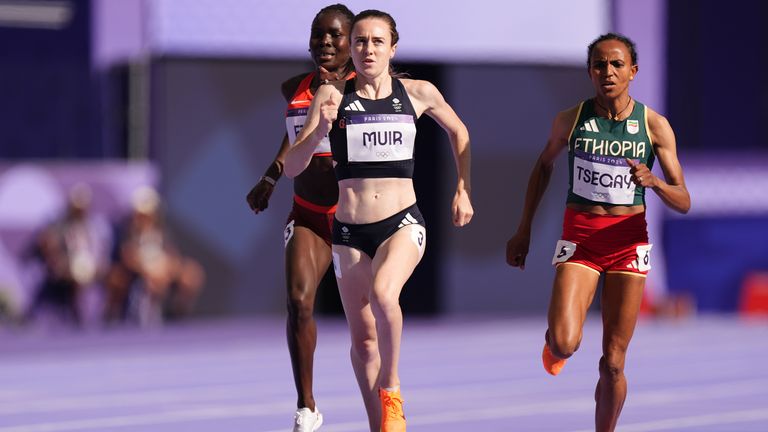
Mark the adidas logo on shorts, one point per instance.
(408, 220)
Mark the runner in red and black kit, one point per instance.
(308, 228)
(612, 142)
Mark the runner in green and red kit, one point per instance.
(612, 142)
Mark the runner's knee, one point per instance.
(384, 302)
(611, 368)
(301, 301)
(365, 349)
(564, 344)
(614, 354)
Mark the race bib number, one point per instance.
(336, 265)
(644, 257)
(419, 237)
(603, 179)
(564, 250)
(288, 233)
(294, 122)
(380, 137)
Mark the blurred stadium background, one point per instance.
(184, 95)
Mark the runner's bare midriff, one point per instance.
(366, 200)
(613, 210)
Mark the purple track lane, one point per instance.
(704, 374)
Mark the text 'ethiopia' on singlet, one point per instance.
(296, 114)
(374, 138)
(597, 148)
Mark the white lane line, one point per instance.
(168, 417)
(579, 404)
(213, 394)
(128, 399)
(454, 416)
(342, 427)
(674, 424)
(141, 419)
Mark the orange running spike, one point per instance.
(392, 416)
(552, 364)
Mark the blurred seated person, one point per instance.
(149, 279)
(74, 251)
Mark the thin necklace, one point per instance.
(614, 117)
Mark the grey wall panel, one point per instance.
(217, 124)
(509, 111)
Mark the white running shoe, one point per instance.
(305, 420)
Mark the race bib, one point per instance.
(294, 122)
(564, 250)
(380, 137)
(419, 237)
(603, 179)
(336, 265)
(644, 257)
(288, 233)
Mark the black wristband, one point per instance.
(268, 179)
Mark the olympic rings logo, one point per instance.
(381, 154)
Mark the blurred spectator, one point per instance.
(74, 251)
(149, 279)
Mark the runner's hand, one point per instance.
(517, 250)
(462, 209)
(641, 175)
(328, 112)
(326, 76)
(258, 197)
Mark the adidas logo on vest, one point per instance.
(590, 126)
(354, 106)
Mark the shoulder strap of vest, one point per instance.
(644, 119)
(304, 84)
(399, 91)
(576, 121)
(398, 88)
(349, 93)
